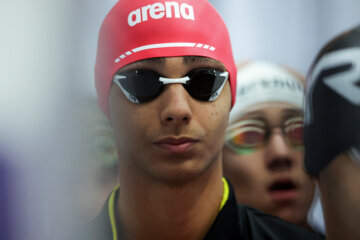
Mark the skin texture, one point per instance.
(154, 181)
(340, 197)
(252, 174)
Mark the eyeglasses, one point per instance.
(247, 136)
(140, 86)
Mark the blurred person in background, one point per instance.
(98, 156)
(167, 88)
(263, 154)
(7, 207)
(332, 132)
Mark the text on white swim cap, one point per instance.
(264, 83)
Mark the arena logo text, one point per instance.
(160, 10)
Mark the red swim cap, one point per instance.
(136, 30)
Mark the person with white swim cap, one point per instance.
(166, 78)
(332, 132)
(263, 154)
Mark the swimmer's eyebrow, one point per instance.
(295, 112)
(158, 60)
(256, 114)
(198, 59)
(188, 60)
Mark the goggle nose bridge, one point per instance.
(182, 80)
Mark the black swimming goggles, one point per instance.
(139, 86)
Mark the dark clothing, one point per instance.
(234, 221)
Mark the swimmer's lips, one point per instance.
(176, 145)
(283, 190)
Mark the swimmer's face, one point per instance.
(173, 137)
(269, 175)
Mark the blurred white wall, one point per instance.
(286, 32)
(34, 103)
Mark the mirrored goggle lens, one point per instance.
(205, 84)
(294, 130)
(144, 85)
(245, 135)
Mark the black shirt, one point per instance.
(234, 221)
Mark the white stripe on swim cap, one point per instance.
(262, 82)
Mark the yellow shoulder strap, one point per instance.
(225, 193)
(112, 211)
